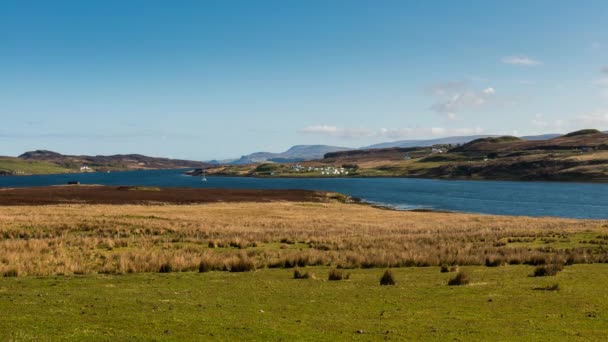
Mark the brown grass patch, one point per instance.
(85, 239)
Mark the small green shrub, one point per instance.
(461, 278)
(387, 278)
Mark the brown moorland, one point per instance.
(96, 194)
(88, 239)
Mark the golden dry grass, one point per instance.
(84, 239)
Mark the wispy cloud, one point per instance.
(521, 61)
(602, 83)
(543, 123)
(97, 136)
(596, 45)
(400, 133)
(457, 96)
(595, 119)
(333, 131)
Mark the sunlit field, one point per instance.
(107, 239)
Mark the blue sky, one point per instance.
(218, 79)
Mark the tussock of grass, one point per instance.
(241, 264)
(546, 270)
(461, 278)
(10, 273)
(165, 268)
(297, 274)
(387, 278)
(493, 262)
(335, 274)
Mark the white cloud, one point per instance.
(401, 133)
(605, 69)
(455, 97)
(334, 131)
(594, 120)
(602, 82)
(521, 61)
(541, 122)
(489, 91)
(447, 88)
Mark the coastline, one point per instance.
(99, 194)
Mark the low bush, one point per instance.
(335, 274)
(546, 270)
(10, 273)
(165, 268)
(493, 262)
(205, 266)
(461, 278)
(297, 274)
(242, 264)
(387, 278)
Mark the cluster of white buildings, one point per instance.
(325, 171)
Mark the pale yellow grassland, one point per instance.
(83, 239)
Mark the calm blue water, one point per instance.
(578, 200)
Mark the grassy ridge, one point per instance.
(500, 304)
(18, 166)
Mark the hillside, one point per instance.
(45, 162)
(577, 156)
(585, 139)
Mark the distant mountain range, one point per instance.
(427, 142)
(309, 152)
(294, 154)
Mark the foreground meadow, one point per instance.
(499, 304)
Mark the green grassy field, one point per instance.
(500, 303)
(15, 165)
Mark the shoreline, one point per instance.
(120, 195)
(414, 177)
